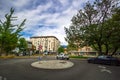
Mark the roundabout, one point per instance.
(52, 64)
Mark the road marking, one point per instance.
(3, 78)
(0, 77)
(103, 69)
(106, 70)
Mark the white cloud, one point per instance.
(39, 15)
(33, 16)
(64, 1)
(20, 3)
(61, 20)
(58, 32)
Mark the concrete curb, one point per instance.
(52, 64)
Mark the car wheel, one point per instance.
(88, 61)
(67, 58)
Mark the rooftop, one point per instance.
(44, 37)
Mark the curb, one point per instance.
(52, 64)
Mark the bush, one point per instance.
(7, 57)
(81, 57)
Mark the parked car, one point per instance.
(62, 56)
(109, 60)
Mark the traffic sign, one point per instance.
(40, 47)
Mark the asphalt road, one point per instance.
(20, 69)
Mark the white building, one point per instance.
(45, 43)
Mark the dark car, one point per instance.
(109, 60)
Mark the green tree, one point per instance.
(90, 25)
(9, 32)
(22, 44)
(60, 49)
(111, 30)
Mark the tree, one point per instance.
(90, 25)
(22, 44)
(74, 37)
(9, 32)
(112, 29)
(60, 49)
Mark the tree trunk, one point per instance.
(100, 49)
(106, 52)
(115, 49)
(94, 47)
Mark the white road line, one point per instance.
(106, 70)
(103, 69)
(3, 78)
(0, 77)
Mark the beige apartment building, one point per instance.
(45, 43)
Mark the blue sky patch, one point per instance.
(44, 17)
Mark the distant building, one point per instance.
(45, 43)
(86, 50)
(29, 43)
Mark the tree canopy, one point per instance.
(96, 25)
(22, 44)
(9, 32)
(60, 49)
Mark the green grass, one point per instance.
(79, 57)
(7, 57)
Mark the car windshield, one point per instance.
(66, 54)
(61, 54)
(102, 57)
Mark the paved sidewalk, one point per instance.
(52, 64)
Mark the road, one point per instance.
(20, 69)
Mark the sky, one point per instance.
(44, 17)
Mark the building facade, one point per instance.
(86, 50)
(45, 43)
(29, 43)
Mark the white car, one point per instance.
(62, 56)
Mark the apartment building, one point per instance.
(45, 43)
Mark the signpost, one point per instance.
(39, 48)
